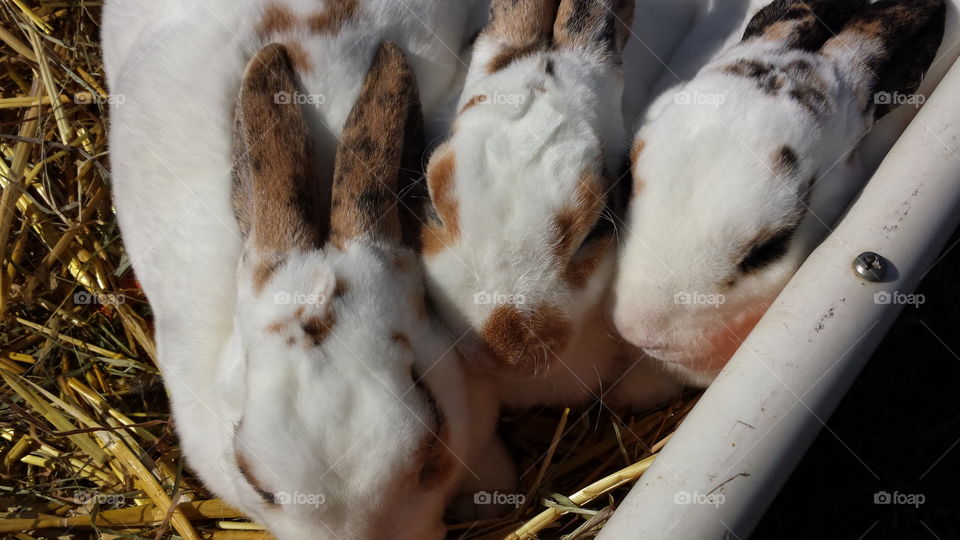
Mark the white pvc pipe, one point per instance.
(732, 454)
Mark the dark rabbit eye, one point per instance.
(767, 251)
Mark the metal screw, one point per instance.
(870, 266)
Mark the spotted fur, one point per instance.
(520, 252)
(789, 103)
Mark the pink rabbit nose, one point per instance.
(646, 330)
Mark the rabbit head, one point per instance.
(738, 173)
(519, 247)
(352, 405)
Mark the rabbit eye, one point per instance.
(767, 251)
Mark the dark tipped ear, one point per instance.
(603, 25)
(274, 195)
(888, 47)
(802, 24)
(517, 29)
(377, 184)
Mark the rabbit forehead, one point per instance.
(524, 165)
(511, 195)
(365, 292)
(719, 180)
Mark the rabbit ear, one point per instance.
(888, 47)
(273, 189)
(516, 29)
(601, 25)
(801, 24)
(376, 183)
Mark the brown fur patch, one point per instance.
(522, 27)
(402, 339)
(785, 161)
(510, 55)
(573, 223)
(767, 77)
(523, 22)
(264, 270)
(814, 101)
(594, 24)
(276, 19)
(340, 287)
(273, 188)
(580, 248)
(441, 176)
(377, 141)
(635, 152)
(318, 329)
(474, 101)
(299, 57)
(798, 79)
(337, 14)
(637, 149)
(526, 341)
(801, 24)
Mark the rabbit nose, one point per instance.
(643, 329)
(525, 343)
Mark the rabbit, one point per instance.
(309, 385)
(740, 172)
(518, 244)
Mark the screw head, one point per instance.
(870, 266)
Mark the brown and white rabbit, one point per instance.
(519, 252)
(309, 386)
(739, 172)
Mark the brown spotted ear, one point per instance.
(274, 195)
(603, 25)
(376, 181)
(517, 28)
(889, 46)
(802, 24)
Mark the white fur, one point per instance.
(341, 423)
(519, 158)
(705, 187)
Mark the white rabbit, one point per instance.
(308, 385)
(519, 252)
(521, 184)
(739, 172)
